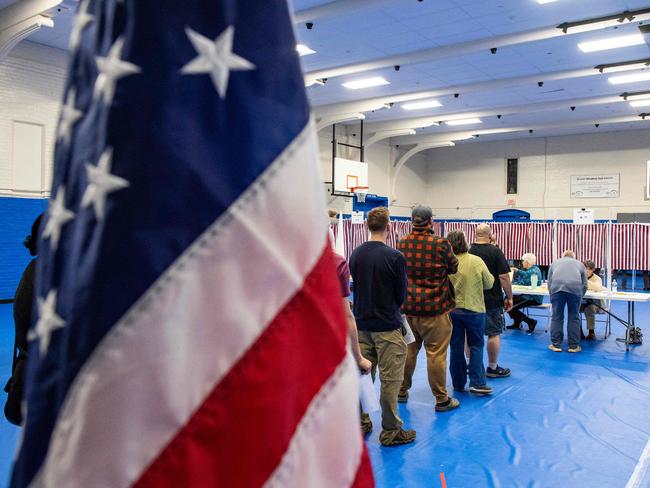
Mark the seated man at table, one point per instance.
(588, 307)
(567, 284)
(523, 277)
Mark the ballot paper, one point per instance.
(408, 337)
(367, 394)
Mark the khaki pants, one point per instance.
(435, 334)
(590, 312)
(386, 350)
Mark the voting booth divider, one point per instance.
(610, 245)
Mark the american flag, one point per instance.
(190, 329)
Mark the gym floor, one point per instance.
(561, 420)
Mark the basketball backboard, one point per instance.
(349, 174)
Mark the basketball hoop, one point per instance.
(360, 193)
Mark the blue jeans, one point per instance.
(572, 302)
(472, 325)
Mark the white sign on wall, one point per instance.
(583, 215)
(595, 186)
(357, 217)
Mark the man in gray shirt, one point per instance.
(567, 284)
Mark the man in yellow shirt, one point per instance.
(468, 319)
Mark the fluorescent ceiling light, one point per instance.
(366, 83)
(640, 103)
(545, 1)
(611, 43)
(635, 78)
(304, 50)
(421, 105)
(463, 121)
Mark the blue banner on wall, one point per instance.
(16, 218)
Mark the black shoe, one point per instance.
(532, 323)
(497, 372)
(514, 326)
(403, 398)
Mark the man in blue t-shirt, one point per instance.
(379, 276)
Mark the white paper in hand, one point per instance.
(409, 337)
(367, 394)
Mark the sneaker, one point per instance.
(450, 404)
(402, 437)
(554, 348)
(532, 323)
(497, 372)
(403, 397)
(481, 390)
(575, 349)
(591, 336)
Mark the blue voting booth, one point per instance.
(511, 215)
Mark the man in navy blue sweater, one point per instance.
(379, 276)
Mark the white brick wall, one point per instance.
(31, 84)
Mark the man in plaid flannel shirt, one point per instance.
(429, 262)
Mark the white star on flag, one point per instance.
(48, 322)
(216, 58)
(100, 183)
(69, 117)
(112, 68)
(82, 19)
(57, 217)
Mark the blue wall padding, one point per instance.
(16, 218)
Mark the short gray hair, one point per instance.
(483, 230)
(569, 254)
(529, 258)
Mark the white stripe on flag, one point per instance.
(313, 443)
(164, 338)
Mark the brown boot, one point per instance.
(366, 424)
(591, 336)
(401, 437)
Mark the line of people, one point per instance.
(451, 296)
(448, 294)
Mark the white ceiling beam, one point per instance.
(328, 120)
(416, 122)
(20, 19)
(463, 48)
(334, 9)
(399, 164)
(469, 134)
(386, 134)
(367, 104)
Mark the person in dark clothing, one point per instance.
(495, 302)
(23, 304)
(379, 276)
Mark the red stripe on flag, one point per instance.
(242, 430)
(364, 478)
